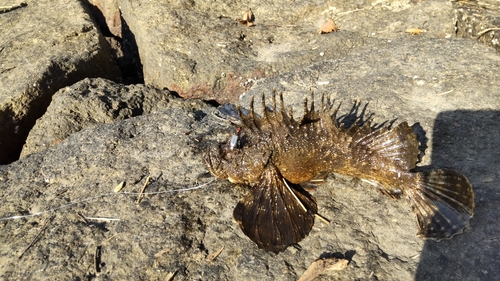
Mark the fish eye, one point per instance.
(233, 142)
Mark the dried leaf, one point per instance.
(321, 265)
(160, 253)
(119, 187)
(328, 27)
(415, 31)
(248, 18)
(170, 276)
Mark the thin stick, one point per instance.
(487, 30)
(84, 250)
(295, 196)
(83, 218)
(37, 236)
(107, 240)
(321, 218)
(214, 255)
(444, 93)
(142, 191)
(103, 219)
(5, 9)
(350, 12)
(170, 276)
(90, 199)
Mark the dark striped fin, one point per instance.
(276, 214)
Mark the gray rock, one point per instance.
(91, 102)
(455, 104)
(198, 48)
(175, 232)
(45, 45)
(450, 89)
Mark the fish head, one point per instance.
(243, 162)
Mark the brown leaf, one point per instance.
(328, 27)
(321, 265)
(248, 18)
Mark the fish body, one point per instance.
(277, 156)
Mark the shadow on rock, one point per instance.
(468, 141)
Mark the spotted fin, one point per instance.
(443, 201)
(276, 214)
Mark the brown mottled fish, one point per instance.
(274, 155)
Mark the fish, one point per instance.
(277, 158)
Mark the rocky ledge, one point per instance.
(82, 136)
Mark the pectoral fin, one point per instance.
(276, 214)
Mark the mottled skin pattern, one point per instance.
(276, 154)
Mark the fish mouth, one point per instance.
(213, 160)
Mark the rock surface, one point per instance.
(40, 53)
(455, 101)
(91, 102)
(60, 218)
(179, 231)
(198, 49)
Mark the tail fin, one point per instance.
(443, 201)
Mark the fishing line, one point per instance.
(106, 195)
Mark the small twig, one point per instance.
(37, 236)
(444, 93)
(214, 255)
(103, 219)
(61, 192)
(160, 253)
(170, 276)
(107, 240)
(83, 218)
(295, 196)
(486, 31)
(351, 11)
(493, 238)
(6, 9)
(139, 198)
(323, 219)
(7, 69)
(84, 250)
